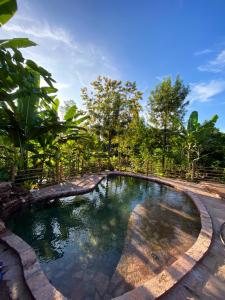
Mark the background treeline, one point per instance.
(42, 142)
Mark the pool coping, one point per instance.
(41, 288)
(35, 278)
(171, 275)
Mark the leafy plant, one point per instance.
(7, 10)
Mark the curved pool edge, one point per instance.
(172, 275)
(41, 288)
(35, 278)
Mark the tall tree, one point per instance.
(111, 105)
(167, 105)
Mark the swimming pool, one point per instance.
(80, 240)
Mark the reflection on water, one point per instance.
(79, 239)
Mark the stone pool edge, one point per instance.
(41, 288)
(35, 278)
(171, 275)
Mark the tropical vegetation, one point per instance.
(114, 131)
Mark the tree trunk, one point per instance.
(147, 171)
(13, 166)
(13, 172)
(60, 172)
(57, 179)
(110, 167)
(164, 147)
(193, 170)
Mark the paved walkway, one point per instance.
(207, 279)
(13, 286)
(214, 188)
(75, 186)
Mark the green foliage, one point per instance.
(29, 117)
(16, 43)
(17, 75)
(71, 112)
(111, 106)
(7, 10)
(193, 122)
(167, 105)
(111, 133)
(200, 137)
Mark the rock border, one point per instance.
(41, 288)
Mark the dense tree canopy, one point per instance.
(113, 131)
(111, 107)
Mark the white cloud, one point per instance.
(204, 92)
(216, 66)
(202, 52)
(73, 64)
(40, 30)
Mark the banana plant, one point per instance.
(20, 117)
(7, 10)
(15, 71)
(198, 138)
(48, 145)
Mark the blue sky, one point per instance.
(141, 41)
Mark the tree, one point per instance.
(31, 130)
(167, 104)
(54, 145)
(111, 106)
(199, 139)
(21, 117)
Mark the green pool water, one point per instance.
(77, 238)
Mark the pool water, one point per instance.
(79, 239)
